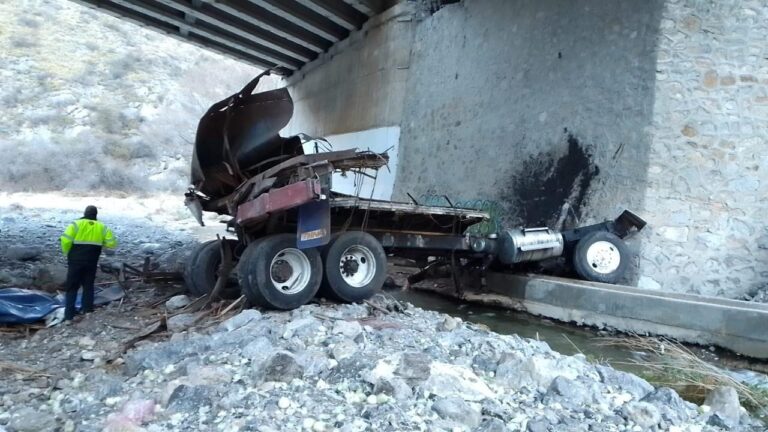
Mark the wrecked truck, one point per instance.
(296, 236)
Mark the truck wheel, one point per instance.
(202, 267)
(275, 274)
(600, 257)
(355, 267)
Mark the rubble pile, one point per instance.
(346, 368)
(377, 367)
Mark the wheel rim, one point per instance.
(357, 266)
(603, 257)
(290, 271)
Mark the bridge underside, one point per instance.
(273, 34)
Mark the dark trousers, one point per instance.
(79, 274)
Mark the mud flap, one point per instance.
(314, 224)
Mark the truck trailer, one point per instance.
(297, 237)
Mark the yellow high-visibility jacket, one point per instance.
(87, 232)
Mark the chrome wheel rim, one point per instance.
(357, 266)
(290, 271)
(603, 257)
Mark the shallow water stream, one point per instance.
(571, 339)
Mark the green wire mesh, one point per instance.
(493, 208)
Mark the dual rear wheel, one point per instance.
(202, 269)
(275, 274)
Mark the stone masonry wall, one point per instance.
(540, 105)
(705, 199)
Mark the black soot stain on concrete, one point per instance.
(547, 182)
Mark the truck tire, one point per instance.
(201, 269)
(601, 257)
(275, 274)
(355, 267)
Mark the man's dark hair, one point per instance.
(90, 212)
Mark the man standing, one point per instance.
(81, 243)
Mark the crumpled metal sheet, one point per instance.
(239, 135)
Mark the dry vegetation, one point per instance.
(672, 364)
(90, 102)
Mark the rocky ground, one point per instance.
(383, 366)
(380, 366)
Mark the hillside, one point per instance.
(90, 102)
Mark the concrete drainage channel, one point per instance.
(730, 324)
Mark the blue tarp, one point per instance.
(22, 306)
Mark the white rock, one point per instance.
(448, 324)
(301, 327)
(86, 342)
(537, 371)
(283, 403)
(181, 322)
(371, 399)
(675, 234)
(449, 380)
(645, 415)
(385, 368)
(177, 302)
(724, 401)
(308, 423)
(208, 375)
(91, 355)
(349, 329)
(344, 349)
(150, 248)
(242, 319)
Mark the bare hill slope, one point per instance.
(90, 102)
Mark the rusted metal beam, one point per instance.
(338, 12)
(277, 200)
(303, 16)
(282, 35)
(176, 18)
(245, 28)
(397, 207)
(398, 240)
(171, 30)
(272, 22)
(368, 7)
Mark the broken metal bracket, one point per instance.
(625, 225)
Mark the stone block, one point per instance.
(675, 234)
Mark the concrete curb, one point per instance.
(732, 324)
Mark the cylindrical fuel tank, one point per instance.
(530, 244)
